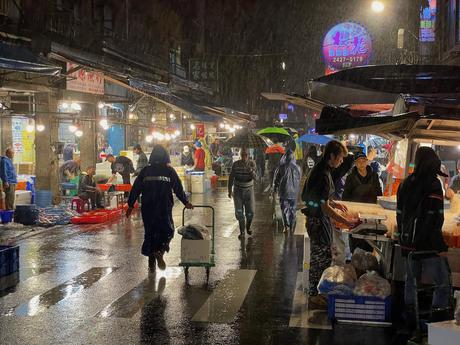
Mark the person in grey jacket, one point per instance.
(241, 188)
(286, 184)
(142, 161)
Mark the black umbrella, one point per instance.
(247, 139)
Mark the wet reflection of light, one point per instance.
(34, 306)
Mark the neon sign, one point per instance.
(347, 45)
(427, 22)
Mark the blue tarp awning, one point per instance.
(19, 58)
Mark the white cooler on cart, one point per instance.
(198, 182)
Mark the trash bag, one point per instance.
(194, 232)
(364, 261)
(372, 284)
(337, 280)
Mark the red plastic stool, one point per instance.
(80, 204)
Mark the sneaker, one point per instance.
(317, 302)
(160, 262)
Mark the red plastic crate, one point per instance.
(123, 187)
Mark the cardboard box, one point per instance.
(195, 251)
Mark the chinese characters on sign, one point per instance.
(85, 81)
(201, 70)
(427, 22)
(346, 45)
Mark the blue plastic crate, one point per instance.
(9, 260)
(359, 309)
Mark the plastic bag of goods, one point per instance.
(337, 280)
(364, 261)
(194, 232)
(372, 284)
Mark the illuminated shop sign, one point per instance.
(427, 22)
(347, 45)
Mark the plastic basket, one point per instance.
(123, 187)
(6, 216)
(359, 309)
(9, 260)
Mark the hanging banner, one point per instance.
(347, 45)
(200, 130)
(23, 141)
(85, 81)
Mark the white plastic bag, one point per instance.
(371, 284)
(337, 279)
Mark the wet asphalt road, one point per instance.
(90, 285)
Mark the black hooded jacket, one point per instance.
(155, 183)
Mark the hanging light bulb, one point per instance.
(72, 128)
(30, 127)
(64, 105)
(172, 116)
(78, 133)
(222, 125)
(153, 119)
(232, 130)
(104, 123)
(101, 105)
(40, 127)
(177, 133)
(75, 106)
(192, 127)
(149, 138)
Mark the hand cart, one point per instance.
(206, 264)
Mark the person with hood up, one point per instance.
(362, 184)
(155, 184)
(420, 217)
(286, 184)
(274, 154)
(186, 158)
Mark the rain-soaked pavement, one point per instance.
(90, 285)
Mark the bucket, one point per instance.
(214, 181)
(26, 214)
(6, 216)
(43, 198)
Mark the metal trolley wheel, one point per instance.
(206, 265)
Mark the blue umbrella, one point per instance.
(314, 139)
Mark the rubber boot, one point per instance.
(248, 227)
(152, 263)
(242, 225)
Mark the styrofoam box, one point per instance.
(195, 251)
(443, 333)
(23, 197)
(198, 187)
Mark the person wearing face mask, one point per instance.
(320, 208)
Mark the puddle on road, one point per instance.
(40, 303)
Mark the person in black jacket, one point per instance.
(155, 184)
(362, 184)
(122, 165)
(420, 217)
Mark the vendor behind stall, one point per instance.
(455, 181)
(69, 169)
(87, 189)
(121, 165)
(320, 208)
(186, 158)
(200, 157)
(420, 217)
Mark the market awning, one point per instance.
(335, 120)
(19, 58)
(295, 99)
(383, 83)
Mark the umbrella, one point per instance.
(247, 139)
(314, 139)
(275, 133)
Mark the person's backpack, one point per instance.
(408, 234)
